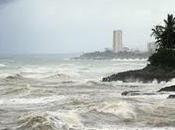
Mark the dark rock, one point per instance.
(171, 96)
(149, 94)
(170, 88)
(135, 93)
(148, 74)
(17, 76)
(130, 93)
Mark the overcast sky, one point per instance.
(66, 26)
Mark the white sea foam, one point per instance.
(130, 60)
(2, 65)
(27, 101)
(49, 121)
(40, 121)
(50, 97)
(133, 128)
(121, 109)
(72, 119)
(4, 75)
(48, 71)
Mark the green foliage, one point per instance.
(165, 35)
(164, 58)
(165, 40)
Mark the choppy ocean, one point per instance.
(48, 92)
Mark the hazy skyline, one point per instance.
(57, 26)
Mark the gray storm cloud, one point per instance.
(57, 26)
(5, 1)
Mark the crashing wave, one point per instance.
(17, 90)
(15, 77)
(129, 59)
(58, 76)
(97, 83)
(121, 109)
(48, 121)
(43, 121)
(2, 65)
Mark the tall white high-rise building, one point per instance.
(117, 41)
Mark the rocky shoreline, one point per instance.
(146, 75)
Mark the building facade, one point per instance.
(117, 41)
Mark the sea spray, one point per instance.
(49, 121)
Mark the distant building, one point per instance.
(117, 41)
(151, 47)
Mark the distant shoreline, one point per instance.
(109, 55)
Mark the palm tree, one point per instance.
(165, 35)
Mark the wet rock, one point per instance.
(130, 93)
(17, 76)
(135, 93)
(149, 94)
(170, 88)
(146, 75)
(171, 96)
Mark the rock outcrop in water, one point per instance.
(14, 77)
(135, 93)
(168, 89)
(171, 97)
(148, 74)
(130, 93)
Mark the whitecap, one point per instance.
(40, 121)
(25, 101)
(2, 65)
(121, 109)
(49, 121)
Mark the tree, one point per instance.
(165, 35)
(165, 41)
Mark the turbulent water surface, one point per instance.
(49, 93)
